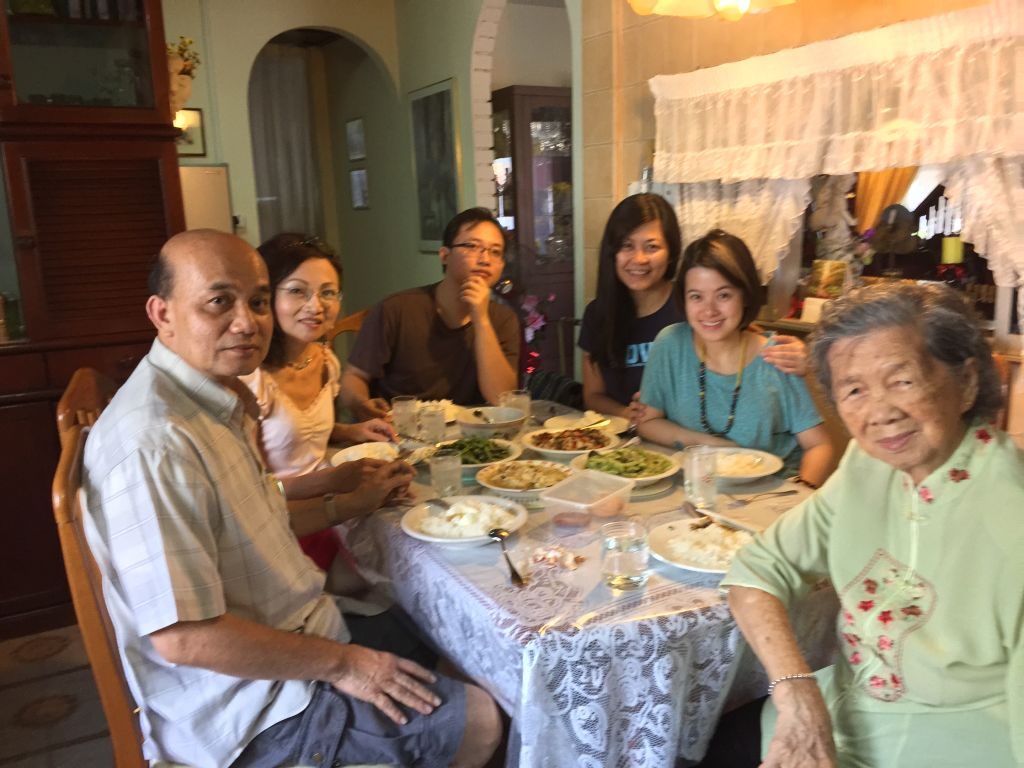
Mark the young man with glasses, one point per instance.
(442, 341)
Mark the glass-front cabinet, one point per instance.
(533, 190)
(81, 60)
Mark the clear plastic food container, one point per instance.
(584, 494)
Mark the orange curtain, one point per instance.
(877, 190)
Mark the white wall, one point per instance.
(533, 47)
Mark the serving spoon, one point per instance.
(499, 535)
(483, 416)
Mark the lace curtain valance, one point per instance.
(928, 91)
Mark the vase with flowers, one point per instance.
(182, 63)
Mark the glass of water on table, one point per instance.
(700, 467)
(446, 472)
(624, 554)
(405, 415)
(516, 398)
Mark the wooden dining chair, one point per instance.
(85, 397)
(348, 324)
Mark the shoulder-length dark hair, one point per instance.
(729, 257)
(615, 308)
(283, 254)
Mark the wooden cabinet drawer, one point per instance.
(117, 361)
(22, 373)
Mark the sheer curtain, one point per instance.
(939, 90)
(283, 143)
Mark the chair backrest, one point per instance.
(87, 595)
(86, 396)
(348, 324)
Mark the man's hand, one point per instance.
(347, 476)
(377, 485)
(803, 729)
(385, 681)
(788, 354)
(371, 431)
(476, 294)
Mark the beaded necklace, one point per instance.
(702, 381)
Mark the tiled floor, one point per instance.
(50, 714)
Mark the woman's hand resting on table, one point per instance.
(803, 729)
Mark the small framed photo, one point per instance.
(355, 139)
(192, 141)
(360, 191)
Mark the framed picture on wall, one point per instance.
(192, 141)
(360, 189)
(355, 139)
(436, 160)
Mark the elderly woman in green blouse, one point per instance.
(921, 531)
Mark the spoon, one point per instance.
(738, 502)
(499, 535)
(438, 507)
(483, 416)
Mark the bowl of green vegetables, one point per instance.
(480, 452)
(634, 463)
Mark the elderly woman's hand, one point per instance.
(788, 354)
(803, 730)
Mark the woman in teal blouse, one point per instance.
(706, 381)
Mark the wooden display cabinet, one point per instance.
(90, 193)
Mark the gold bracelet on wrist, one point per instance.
(784, 678)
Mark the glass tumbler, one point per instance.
(432, 424)
(624, 554)
(700, 467)
(446, 472)
(516, 398)
(405, 415)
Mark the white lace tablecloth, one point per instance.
(591, 677)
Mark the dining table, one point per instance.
(590, 676)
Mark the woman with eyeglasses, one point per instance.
(639, 254)
(295, 388)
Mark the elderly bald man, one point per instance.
(232, 650)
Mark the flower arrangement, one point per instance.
(189, 57)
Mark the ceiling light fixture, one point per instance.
(705, 9)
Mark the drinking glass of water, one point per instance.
(624, 554)
(446, 472)
(700, 467)
(405, 414)
(432, 423)
(516, 398)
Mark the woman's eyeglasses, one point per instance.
(325, 295)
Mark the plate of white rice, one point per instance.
(466, 523)
(706, 550)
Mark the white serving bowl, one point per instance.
(487, 477)
(558, 455)
(490, 421)
(580, 462)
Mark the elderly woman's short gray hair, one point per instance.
(941, 315)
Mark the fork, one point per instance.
(738, 502)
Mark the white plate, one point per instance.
(526, 496)
(658, 540)
(767, 464)
(580, 462)
(411, 522)
(654, 489)
(514, 452)
(556, 455)
(382, 451)
(617, 424)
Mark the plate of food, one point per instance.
(740, 465)
(709, 549)
(616, 424)
(522, 480)
(639, 464)
(479, 452)
(451, 410)
(564, 444)
(382, 451)
(465, 523)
